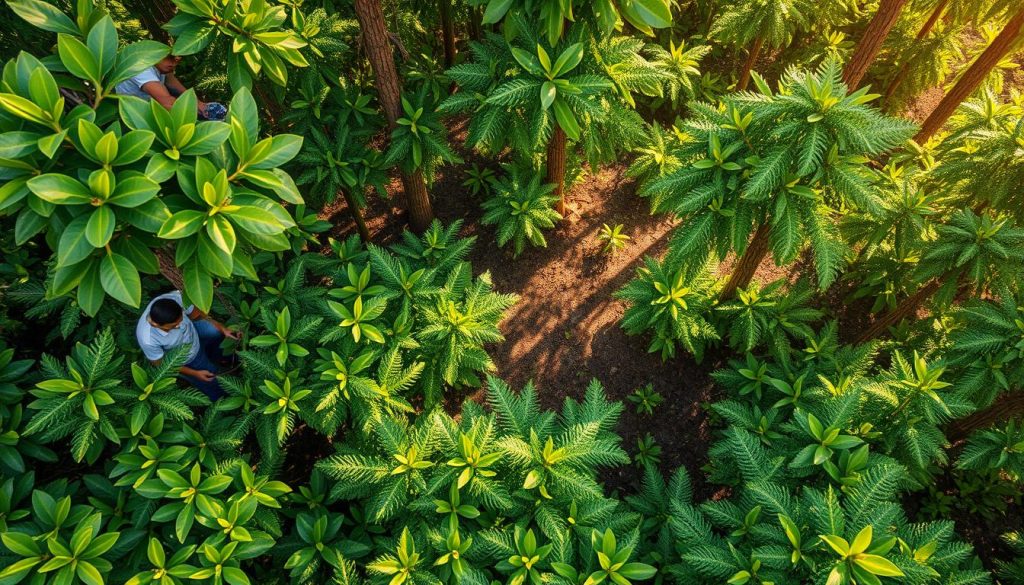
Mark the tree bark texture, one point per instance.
(1006, 406)
(556, 166)
(926, 28)
(869, 45)
(153, 15)
(973, 77)
(747, 264)
(378, 50)
(748, 65)
(907, 308)
(447, 32)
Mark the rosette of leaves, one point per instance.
(772, 314)
(80, 398)
(680, 63)
(419, 142)
(521, 207)
(980, 164)
(220, 212)
(259, 40)
(342, 161)
(672, 304)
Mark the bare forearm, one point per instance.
(187, 371)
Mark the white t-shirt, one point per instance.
(155, 341)
(133, 85)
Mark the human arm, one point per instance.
(204, 375)
(197, 315)
(158, 92)
(179, 88)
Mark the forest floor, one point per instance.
(564, 331)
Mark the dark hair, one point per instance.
(164, 311)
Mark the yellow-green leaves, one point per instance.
(861, 561)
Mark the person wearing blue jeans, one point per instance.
(166, 324)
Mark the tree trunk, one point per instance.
(748, 65)
(378, 50)
(907, 308)
(476, 29)
(871, 42)
(447, 32)
(556, 166)
(747, 264)
(357, 215)
(973, 77)
(152, 15)
(927, 28)
(1006, 406)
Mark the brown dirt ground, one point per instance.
(564, 331)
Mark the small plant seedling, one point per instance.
(648, 452)
(645, 399)
(479, 180)
(613, 238)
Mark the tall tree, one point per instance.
(760, 24)
(972, 253)
(871, 42)
(378, 50)
(974, 75)
(444, 7)
(769, 172)
(152, 14)
(926, 28)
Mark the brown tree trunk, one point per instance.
(152, 15)
(921, 34)
(447, 32)
(556, 166)
(871, 42)
(748, 65)
(973, 77)
(1006, 406)
(378, 50)
(907, 308)
(357, 215)
(747, 264)
(476, 29)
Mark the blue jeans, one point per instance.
(208, 358)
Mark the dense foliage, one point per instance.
(867, 401)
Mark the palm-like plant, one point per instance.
(759, 23)
(341, 162)
(980, 159)
(780, 165)
(521, 207)
(672, 303)
(971, 253)
(680, 64)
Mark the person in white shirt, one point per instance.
(166, 324)
(157, 83)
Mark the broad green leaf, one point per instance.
(78, 59)
(182, 224)
(548, 91)
(102, 42)
(74, 246)
(43, 15)
(198, 286)
(132, 146)
(59, 189)
(566, 120)
(101, 226)
(134, 59)
(133, 191)
(90, 290)
(120, 279)
(495, 11)
(254, 219)
(222, 233)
